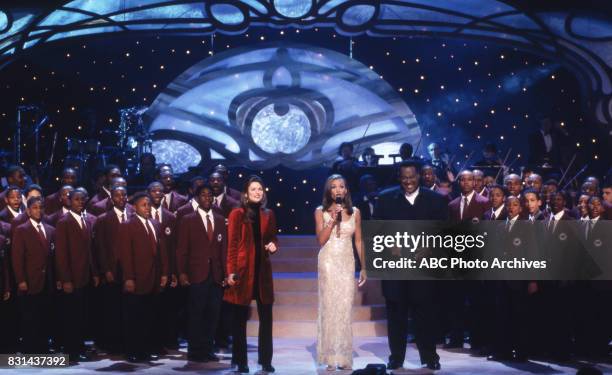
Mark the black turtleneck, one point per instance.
(256, 226)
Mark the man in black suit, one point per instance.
(544, 144)
(369, 188)
(409, 202)
(201, 253)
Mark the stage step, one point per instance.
(309, 312)
(296, 294)
(306, 298)
(308, 328)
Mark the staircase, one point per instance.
(296, 297)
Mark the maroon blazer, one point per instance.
(184, 210)
(54, 217)
(140, 260)
(169, 228)
(176, 201)
(4, 265)
(106, 244)
(23, 218)
(105, 205)
(32, 257)
(194, 250)
(233, 193)
(73, 251)
(227, 205)
(241, 259)
(6, 215)
(100, 195)
(475, 209)
(53, 203)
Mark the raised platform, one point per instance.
(296, 295)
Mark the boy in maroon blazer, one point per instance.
(469, 205)
(106, 204)
(13, 204)
(76, 270)
(32, 259)
(201, 258)
(64, 198)
(171, 200)
(106, 246)
(32, 190)
(170, 301)
(144, 260)
(192, 204)
(53, 202)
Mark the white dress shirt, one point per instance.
(148, 226)
(209, 214)
(42, 227)
(461, 203)
(547, 141)
(497, 212)
(119, 213)
(412, 197)
(15, 213)
(155, 211)
(78, 218)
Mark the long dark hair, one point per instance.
(328, 200)
(244, 199)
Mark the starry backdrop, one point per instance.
(464, 94)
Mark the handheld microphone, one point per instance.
(339, 201)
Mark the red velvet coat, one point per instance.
(194, 249)
(73, 251)
(139, 260)
(32, 257)
(241, 260)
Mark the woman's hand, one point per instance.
(230, 280)
(271, 247)
(362, 278)
(337, 210)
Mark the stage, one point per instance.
(297, 357)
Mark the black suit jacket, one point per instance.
(393, 205)
(537, 148)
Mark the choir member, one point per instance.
(32, 260)
(532, 204)
(32, 190)
(192, 204)
(170, 301)
(171, 200)
(428, 177)
(497, 197)
(511, 338)
(369, 187)
(111, 171)
(76, 270)
(15, 176)
(534, 181)
(106, 204)
(13, 204)
(201, 259)
(53, 202)
(607, 199)
(64, 196)
(144, 262)
(470, 205)
(8, 308)
(479, 185)
(106, 245)
(512, 183)
(222, 203)
(228, 190)
(251, 241)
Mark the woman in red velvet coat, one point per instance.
(251, 240)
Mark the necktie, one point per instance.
(551, 223)
(150, 232)
(157, 215)
(122, 217)
(83, 225)
(465, 203)
(209, 228)
(587, 229)
(41, 233)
